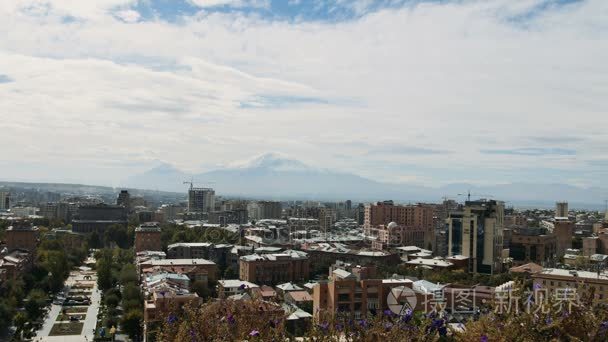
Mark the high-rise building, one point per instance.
(260, 210)
(124, 199)
(327, 218)
(5, 200)
(412, 217)
(563, 229)
(561, 209)
(477, 233)
(201, 200)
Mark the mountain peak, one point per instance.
(273, 161)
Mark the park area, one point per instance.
(62, 329)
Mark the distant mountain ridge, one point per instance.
(279, 177)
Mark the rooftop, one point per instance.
(171, 262)
(300, 296)
(529, 267)
(430, 262)
(289, 287)
(572, 274)
(232, 283)
(189, 244)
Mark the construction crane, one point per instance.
(191, 182)
(468, 194)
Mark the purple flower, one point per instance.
(408, 316)
(192, 335)
(254, 333)
(171, 319)
(339, 327)
(483, 338)
(388, 326)
(437, 323)
(388, 313)
(363, 323)
(548, 321)
(230, 319)
(242, 287)
(537, 286)
(603, 327)
(324, 326)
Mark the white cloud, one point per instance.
(80, 9)
(462, 77)
(128, 16)
(231, 3)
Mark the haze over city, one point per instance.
(418, 92)
(303, 170)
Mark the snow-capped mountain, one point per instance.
(276, 176)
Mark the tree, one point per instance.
(230, 272)
(131, 292)
(94, 240)
(117, 233)
(56, 263)
(104, 275)
(201, 289)
(128, 274)
(6, 315)
(34, 304)
(112, 300)
(19, 320)
(131, 323)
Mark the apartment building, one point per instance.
(412, 223)
(554, 279)
(355, 291)
(148, 237)
(275, 268)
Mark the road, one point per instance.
(90, 321)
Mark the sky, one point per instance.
(428, 92)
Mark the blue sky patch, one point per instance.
(280, 101)
(533, 151)
(5, 79)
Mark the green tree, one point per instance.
(230, 272)
(131, 292)
(131, 323)
(104, 275)
(35, 301)
(112, 300)
(117, 233)
(128, 274)
(20, 320)
(56, 263)
(201, 289)
(6, 315)
(94, 240)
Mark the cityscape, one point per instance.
(127, 263)
(303, 170)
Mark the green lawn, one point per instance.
(80, 316)
(63, 329)
(74, 309)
